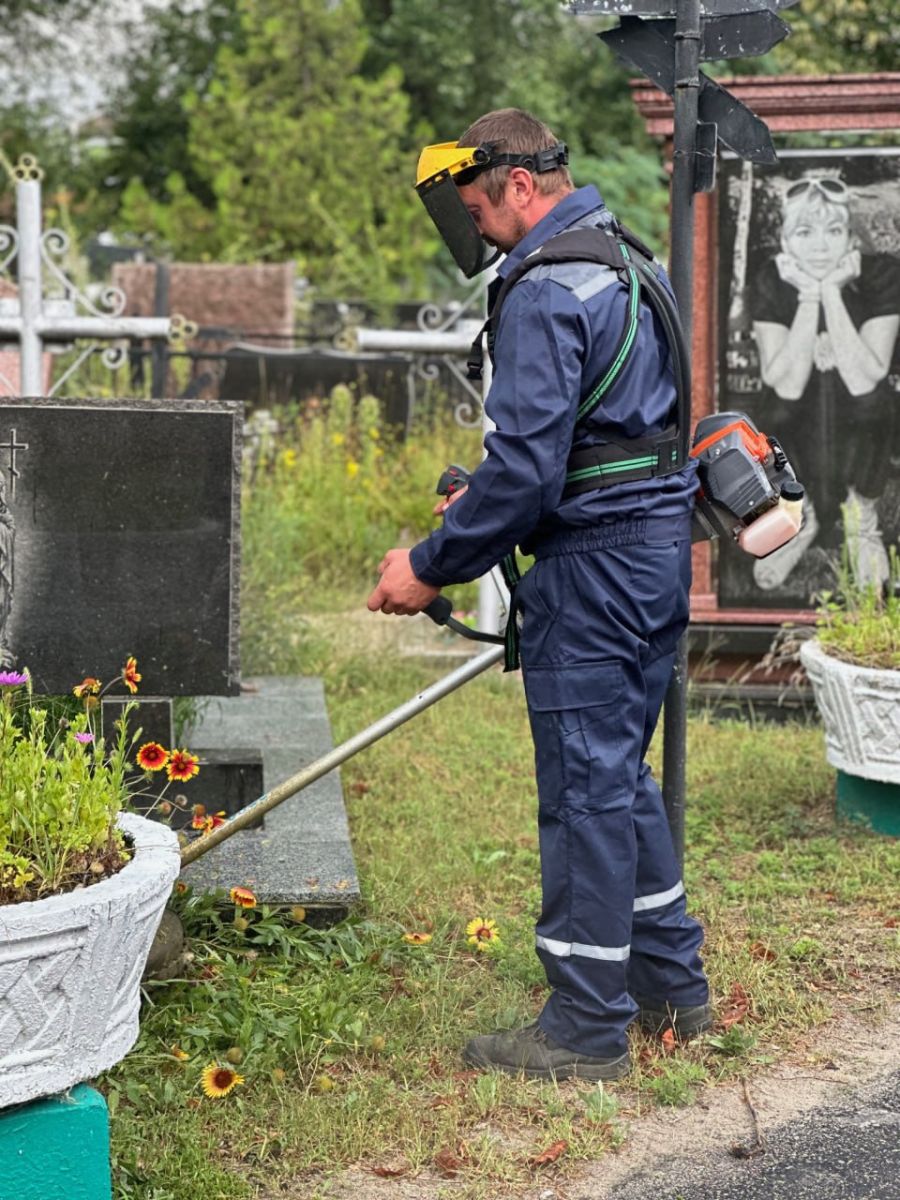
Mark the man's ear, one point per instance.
(520, 186)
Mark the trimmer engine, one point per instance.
(748, 490)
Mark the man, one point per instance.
(602, 608)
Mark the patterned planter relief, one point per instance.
(70, 970)
(860, 708)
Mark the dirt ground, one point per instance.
(819, 1070)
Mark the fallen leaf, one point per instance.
(736, 1007)
(448, 1163)
(463, 1076)
(669, 1044)
(390, 1171)
(762, 951)
(891, 923)
(550, 1155)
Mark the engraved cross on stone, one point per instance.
(12, 446)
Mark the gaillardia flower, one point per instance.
(89, 686)
(182, 765)
(242, 897)
(218, 1081)
(482, 933)
(130, 674)
(417, 939)
(152, 756)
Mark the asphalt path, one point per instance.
(846, 1151)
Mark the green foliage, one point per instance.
(322, 506)
(676, 1084)
(841, 37)
(59, 800)
(300, 157)
(151, 125)
(462, 60)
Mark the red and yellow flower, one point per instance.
(482, 933)
(152, 756)
(417, 939)
(242, 897)
(182, 765)
(130, 675)
(218, 1080)
(89, 686)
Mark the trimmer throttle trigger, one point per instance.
(453, 480)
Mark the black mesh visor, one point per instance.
(455, 225)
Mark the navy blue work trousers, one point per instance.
(603, 610)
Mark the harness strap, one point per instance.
(621, 462)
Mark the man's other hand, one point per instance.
(399, 591)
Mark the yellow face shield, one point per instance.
(444, 167)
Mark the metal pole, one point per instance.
(687, 91)
(28, 219)
(159, 357)
(491, 588)
(339, 754)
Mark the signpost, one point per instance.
(667, 40)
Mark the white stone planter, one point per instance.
(860, 709)
(70, 970)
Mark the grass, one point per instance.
(348, 1038)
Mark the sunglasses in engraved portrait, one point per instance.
(829, 187)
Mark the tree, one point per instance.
(464, 59)
(303, 157)
(150, 122)
(842, 37)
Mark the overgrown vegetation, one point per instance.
(860, 623)
(348, 1038)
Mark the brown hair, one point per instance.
(515, 131)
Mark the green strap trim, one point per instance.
(631, 328)
(628, 464)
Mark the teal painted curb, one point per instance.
(878, 804)
(56, 1149)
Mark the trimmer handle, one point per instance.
(453, 480)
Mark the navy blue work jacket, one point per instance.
(550, 350)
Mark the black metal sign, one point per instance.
(666, 8)
(649, 45)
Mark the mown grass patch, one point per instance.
(348, 1038)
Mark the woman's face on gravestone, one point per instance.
(817, 234)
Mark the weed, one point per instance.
(676, 1084)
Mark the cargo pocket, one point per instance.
(573, 715)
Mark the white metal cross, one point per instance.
(33, 319)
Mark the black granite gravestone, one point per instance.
(119, 536)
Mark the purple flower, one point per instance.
(12, 678)
(84, 738)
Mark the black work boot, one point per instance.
(686, 1022)
(532, 1052)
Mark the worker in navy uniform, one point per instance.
(602, 608)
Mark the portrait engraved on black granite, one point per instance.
(809, 313)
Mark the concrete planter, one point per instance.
(860, 708)
(70, 970)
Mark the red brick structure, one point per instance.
(231, 301)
